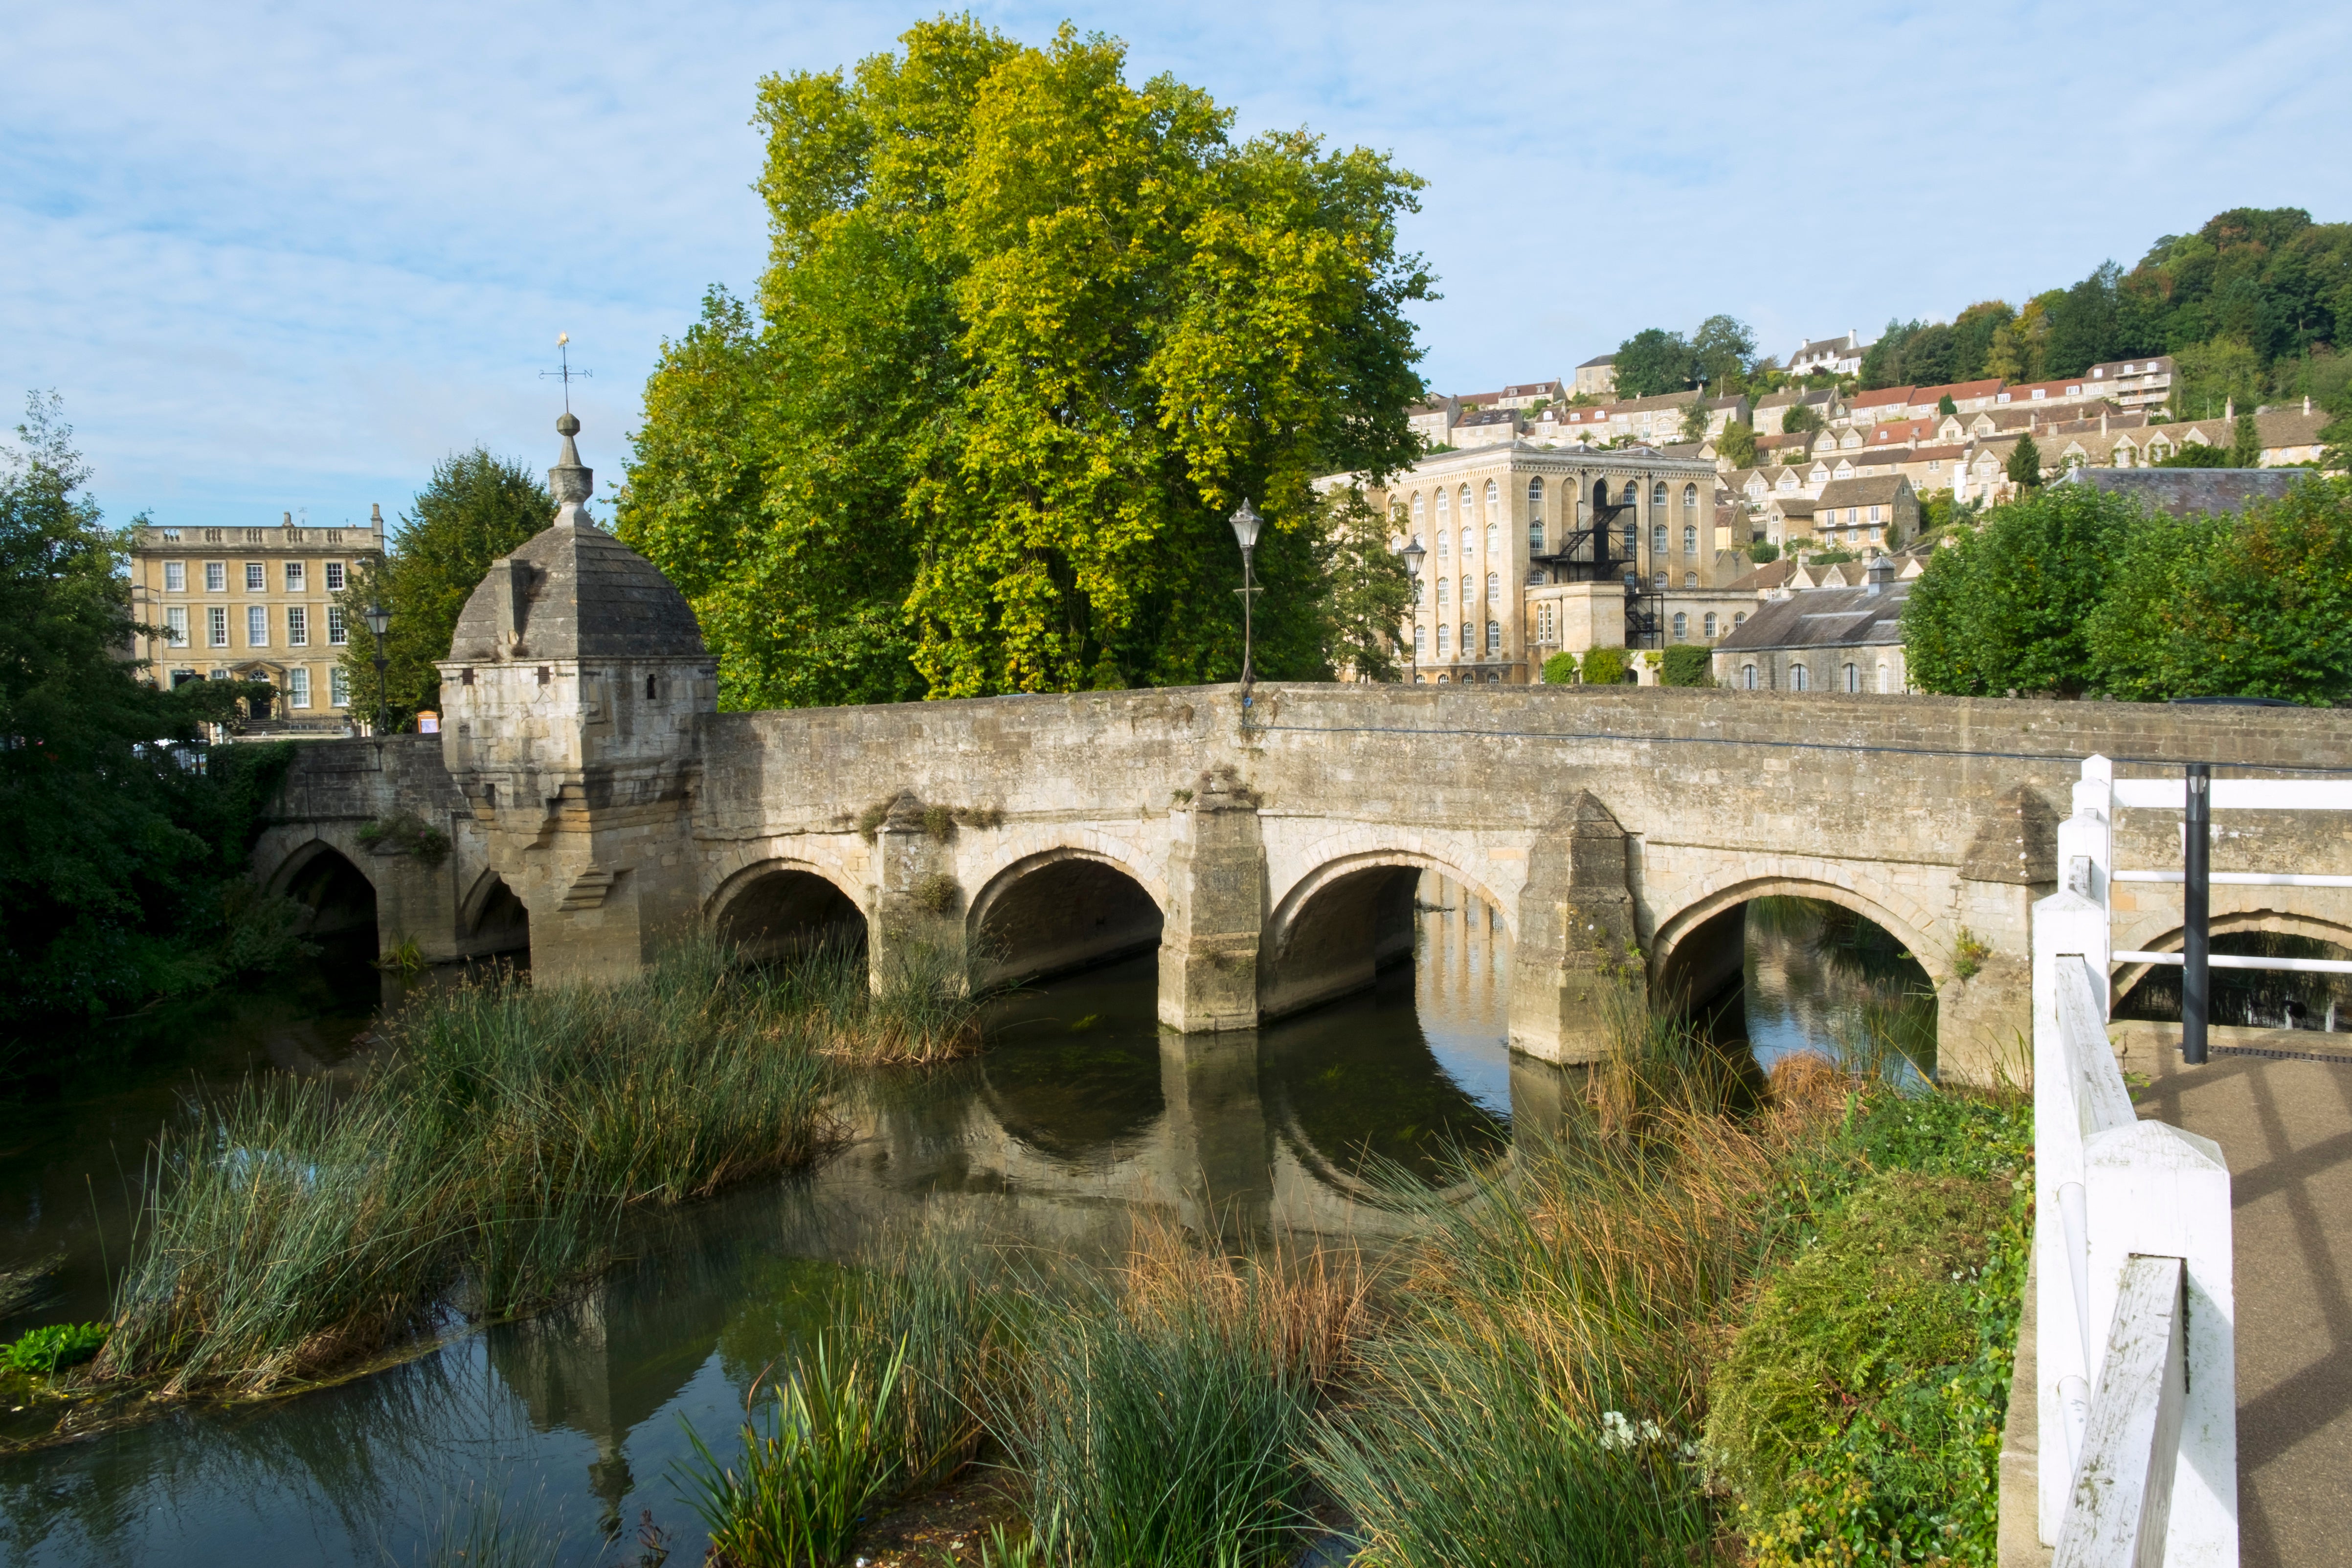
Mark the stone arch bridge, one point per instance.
(1271, 852)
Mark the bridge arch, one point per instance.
(2226, 922)
(1700, 949)
(1063, 908)
(491, 918)
(782, 903)
(329, 880)
(1334, 929)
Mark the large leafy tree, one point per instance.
(2004, 607)
(1366, 589)
(1029, 333)
(476, 509)
(2258, 604)
(115, 849)
(1654, 362)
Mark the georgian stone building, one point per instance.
(254, 603)
(1506, 531)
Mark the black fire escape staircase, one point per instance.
(1583, 556)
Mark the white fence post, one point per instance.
(2156, 1190)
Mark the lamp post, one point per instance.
(1413, 555)
(379, 620)
(1246, 524)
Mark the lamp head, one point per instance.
(1413, 555)
(379, 619)
(1247, 522)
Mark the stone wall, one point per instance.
(1609, 826)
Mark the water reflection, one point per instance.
(1821, 979)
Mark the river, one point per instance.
(1079, 1116)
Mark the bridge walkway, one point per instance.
(2285, 1127)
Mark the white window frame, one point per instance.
(298, 577)
(215, 576)
(339, 687)
(339, 629)
(256, 626)
(257, 576)
(175, 576)
(175, 626)
(297, 688)
(298, 626)
(335, 577)
(216, 626)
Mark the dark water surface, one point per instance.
(1079, 1118)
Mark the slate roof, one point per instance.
(1881, 490)
(1598, 360)
(579, 591)
(1823, 618)
(2185, 493)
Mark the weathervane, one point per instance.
(563, 347)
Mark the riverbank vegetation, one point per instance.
(1684, 1322)
(483, 1166)
(123, 844)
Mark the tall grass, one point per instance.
(1159, 1414)
(911, 1007)
(482, 1165)
(1538, 1395)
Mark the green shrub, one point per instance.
(1688, 664)
(1763, 551)
(1604, 666)
(1560, 669)
(47, 1350)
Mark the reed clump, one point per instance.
(481, 1167)
(911, 1008)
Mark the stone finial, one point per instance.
(570, 481)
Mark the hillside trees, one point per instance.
(1028, 335)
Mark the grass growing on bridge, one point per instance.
(482, 1167)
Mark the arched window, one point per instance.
(1421, 642)
(1682, 626)
(1740, 619)
(1658, 539)
(1630, 544)
(1799, 678)
(1444, 586)
(1690, 497)
(1465, 499)
(1444, 680)
(1710, 624)
(1444, 635)
(1534, 536)
(1494, 586)
(1494, 537)
(1416, 514)
(1465, 591)
(1853, 677)
(1493, 636)
(1633, 492)
(1468, 541)
(1658, 494)
(1535, 498)
(1690, 579)
(1690, 539)
(1880, 685)
(1469, 645)
(1493, 504)
(1748, 676)
(1658, 581)
(1444, 510)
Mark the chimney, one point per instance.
(2228, 408)
(2307, 405)
(2103, 421)
(375, 516)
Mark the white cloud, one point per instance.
(283, 258)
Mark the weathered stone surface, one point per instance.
(1304, 821)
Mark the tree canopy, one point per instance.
(474, 509)
(1654, 362)
(2071, 590)
(116, 851)
(1028, 335)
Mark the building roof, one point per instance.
(1490, 416)
(2186, 493)
(1892, 431)
(1899, 395)
(1959, 392)
(1798, 505)
(2040, 391)
(1879, 491)
(1598, 360)
(1847, 345)
(2156, 366)
(1826, 618)
(576, 591)
(1787, 396)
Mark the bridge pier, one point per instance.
(916, 916)
(1216, 909)
(1576, 936)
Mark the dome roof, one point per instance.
(573, 591)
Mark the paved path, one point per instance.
(2285, 1127)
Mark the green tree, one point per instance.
(2084, 324)
(1028, 335)
(1652, 362)
(1695, 419)
(2025, 463)
(1560, 669)
(2246, 444)
(1736, 444)
(1366, 592)
(2208, 376)
(476, 509)
(1723, 354)
(1604, 666)
(1944, 406)
(1799, 419)
(2197, 455)
(116, 850)
(2005, 606)
(1973, 330)
(2258, 604)
(1881, 363)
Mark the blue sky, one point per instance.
(286, 257)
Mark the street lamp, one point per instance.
(379, 620)
(1413, 557)
(1247, 522)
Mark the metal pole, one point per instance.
(1249, 592)
(2195, 914)
(382, 700)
